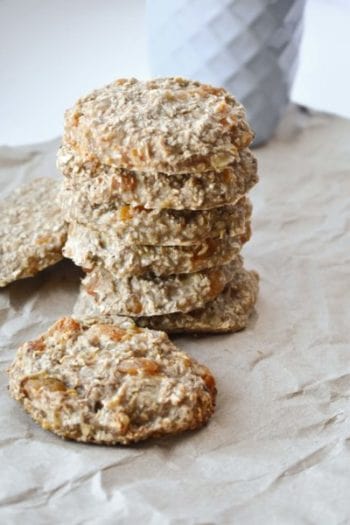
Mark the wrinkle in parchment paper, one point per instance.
(278, 447)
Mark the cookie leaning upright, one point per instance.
(155, 181)
(32, 230)
(106, 381)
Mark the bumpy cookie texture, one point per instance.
(103, 381)
(32, 230)
(151, 295)
(95, 184)
(89, 248)
(136, 225)
(229, 312)
(169, 125)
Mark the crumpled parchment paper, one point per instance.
(277, 450)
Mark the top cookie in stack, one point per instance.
(155, 180)
(169, 125)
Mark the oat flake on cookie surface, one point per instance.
(169, 125)
(32, 230)
(106, 381)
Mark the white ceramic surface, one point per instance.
(249, 47)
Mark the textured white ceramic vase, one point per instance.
(248, 46)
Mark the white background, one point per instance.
(52, 51)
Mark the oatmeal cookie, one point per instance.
(136, 225)
(228, 312)
(89, 248)
(169, 125)
(32, 230)
(99, 184)
(152, 295)
(106, 381)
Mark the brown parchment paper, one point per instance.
(277, 450)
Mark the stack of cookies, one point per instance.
(156, 176)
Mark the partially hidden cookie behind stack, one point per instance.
(155, 181)
(32, 230)
(107, 381)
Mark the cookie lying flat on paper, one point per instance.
(32, 230)
(169, 125)
(107, 381)
(96, 184)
